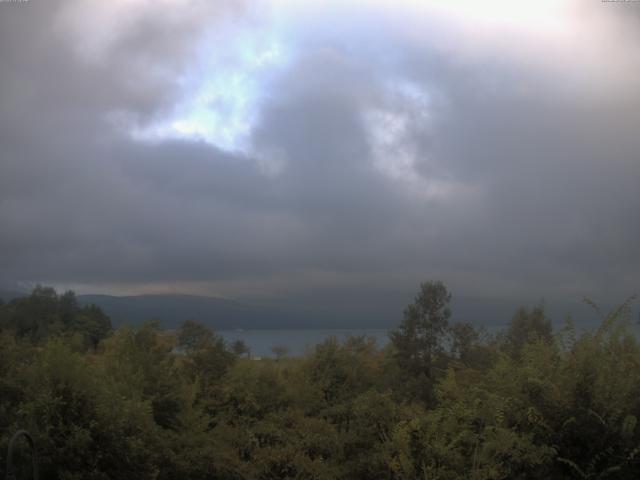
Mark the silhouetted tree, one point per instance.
(463, 339)
(44, 313)
(193, 335)
(525, 327)
(240, 348)
(419, 338)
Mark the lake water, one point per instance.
(297, 342)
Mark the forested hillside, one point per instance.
(441, 401)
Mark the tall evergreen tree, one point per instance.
(419, 338)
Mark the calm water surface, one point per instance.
(299, 342)
(296, 341)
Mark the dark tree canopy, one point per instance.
(419, 338)
(240, 348)
(193, 335)
(44, 313)
(440, 402)
(526, 326)
(464, 338)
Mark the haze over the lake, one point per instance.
(322, 151)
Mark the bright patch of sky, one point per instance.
(390, 129)
(223, 90)
(234, 70)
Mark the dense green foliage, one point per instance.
(440, 401)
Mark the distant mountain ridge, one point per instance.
(329, 313)
(171, 310)
(223, 314)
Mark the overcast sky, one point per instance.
(290, 149)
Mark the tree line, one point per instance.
(441, 401)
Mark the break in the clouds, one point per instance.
(283, 148)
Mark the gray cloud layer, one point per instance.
(501, 170)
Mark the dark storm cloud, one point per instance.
(70, 208)
(523, 181)
(559, 169)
